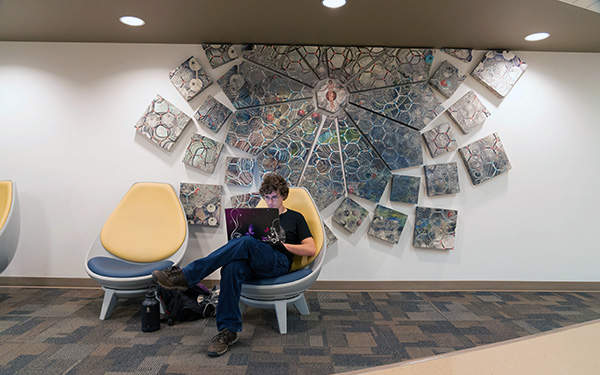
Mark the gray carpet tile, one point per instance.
(57, 331)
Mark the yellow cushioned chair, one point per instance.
(279, 292)
(146, 231)
(10, 223)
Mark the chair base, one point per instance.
(111, 296)
(280, 307)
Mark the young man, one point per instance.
(242, 259)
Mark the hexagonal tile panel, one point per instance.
(201, 203)
(485, 159)
(440, 140)
(162, 122)
(435, 228)
(189, 78)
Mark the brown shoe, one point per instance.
(170, 278)
(221, 343)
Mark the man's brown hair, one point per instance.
(274, 182)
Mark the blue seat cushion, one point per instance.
(288, 277)
(112, 267)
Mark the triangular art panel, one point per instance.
(289, 153)
(394, 66)
(253, 129)
(398, 145)
(412, 105)
(366, 174)
(248, 85)
(323, 175)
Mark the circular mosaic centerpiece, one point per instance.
(331, 95)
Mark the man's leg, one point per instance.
(244, 248)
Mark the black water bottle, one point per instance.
(150, 311)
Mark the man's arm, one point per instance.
(304, 248)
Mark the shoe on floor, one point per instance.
(170, 278)
(221, 343)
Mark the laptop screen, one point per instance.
(260, 223)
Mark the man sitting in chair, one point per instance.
(242, 259)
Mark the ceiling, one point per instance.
(482, 25)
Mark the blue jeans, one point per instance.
(240, 259)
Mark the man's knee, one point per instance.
(235, 269)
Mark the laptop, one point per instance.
(260, 223)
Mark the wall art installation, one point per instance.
(435, 228)
(201, 203)
(442, 179)
(440, 140)
(249, 200)
(212, 114)
(203, 153)
(464, 54)
(189, 78)
(405, 189)
(239, 171)
(162, 122)
(446, 79)
(350, 215)
(499, 71)
(387, 224)
(335, 120)
(468, 113)
(485, 159)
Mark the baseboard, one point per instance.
(412, 286)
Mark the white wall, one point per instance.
(67, 113)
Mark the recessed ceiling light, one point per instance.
(333, 3)
(537, 36)
(132, 21)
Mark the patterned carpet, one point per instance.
(57, 331)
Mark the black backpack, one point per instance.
(193, 304)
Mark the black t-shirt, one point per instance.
(294, 229)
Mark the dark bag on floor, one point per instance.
(193, 304)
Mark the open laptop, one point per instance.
(260, 223)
